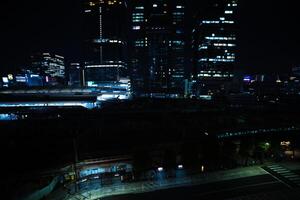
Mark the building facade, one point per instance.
(214, 46)
(104, 56)
(75, 75)
(158, 43)
(49, 66)
(23, 79)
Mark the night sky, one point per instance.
(268, 37)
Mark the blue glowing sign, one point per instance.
(247, 79)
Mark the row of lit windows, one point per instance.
(216, 60)
(138, 14)
(178, 6)
(177, 76)
(210, 22)
(138, 17)
(136, 27)
(138, 20)
(220, 38)
(233, 5)
(178, 42)
(202, 47)
(217, 22)
(178, 13)
(228, 12)
(109, 41)
(214, 72)
(224, 45)
(139, 8)
(140, 43)
(216, 75)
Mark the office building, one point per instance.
(75, 74)
(104, 56)
(103, 73)
(23, 79)
(214, 46)
(158, 42)
(50, 66)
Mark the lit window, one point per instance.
(136, 27)
(228, 12)
(139, 8)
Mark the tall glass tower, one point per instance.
(215, 47)
(158, 42)
(105, 28)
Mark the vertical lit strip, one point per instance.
(83, 78)
(100, 31)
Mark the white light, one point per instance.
(5, 80)
(180, 166)
(83, 180)
(154, 5)
(160, 169)
(136, 27)
(228, 12)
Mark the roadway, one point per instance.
(227, 184)
(220, 190)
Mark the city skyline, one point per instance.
(48, 27)
(150, 99)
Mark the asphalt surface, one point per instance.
(219, 190)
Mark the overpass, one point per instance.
(230, 134)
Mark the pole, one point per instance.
(75, 161)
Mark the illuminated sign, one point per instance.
(247, 79)
(5, 80)
(10, 77)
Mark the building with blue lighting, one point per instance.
(65, 97)
(214, 46)
(23, 79)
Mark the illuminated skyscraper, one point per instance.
(214, 45)
(105, 25)
(49, 66)
(158, 42)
